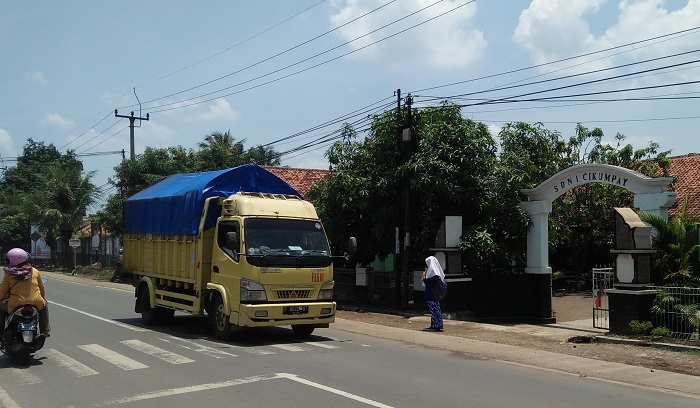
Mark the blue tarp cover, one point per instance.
(174, 205)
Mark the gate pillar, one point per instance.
(657, 203)
(538, 236)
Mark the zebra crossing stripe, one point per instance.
(6, 400)
(194, 346)
(25, 377)
(70, 364)
(250, 350)
(113, 357)
(158, 352)
(322, 345)
(287, 347)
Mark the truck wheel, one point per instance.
(149, 315)
(302, 330)
(153, 315)
(222, 326)
(164, 314)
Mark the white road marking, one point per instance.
(158, 352)
(6, 400)
(113, 357)
(70, 364)
(333, 390)
(250, 350)
(194, 346)
(240, 381)
(25, 377)
(322, 345)
(287, 347)
(189, 389)
(126, 326)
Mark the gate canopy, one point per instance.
(581, 174)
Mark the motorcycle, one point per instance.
(22, 335)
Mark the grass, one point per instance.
(96, 272)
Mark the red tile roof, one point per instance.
(687, 169)
(300, 179)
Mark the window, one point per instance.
(224, 228)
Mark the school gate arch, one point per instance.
(649, 195)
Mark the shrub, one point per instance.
(638, 327)
(661, 332)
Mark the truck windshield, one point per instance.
(285, 243)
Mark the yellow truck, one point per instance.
(239, 244)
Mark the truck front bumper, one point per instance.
(278, 314)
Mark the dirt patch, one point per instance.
(567, 307)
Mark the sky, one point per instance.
(288, 74)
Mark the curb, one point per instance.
(646, 343)
(586, 336)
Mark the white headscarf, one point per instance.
(434, 268)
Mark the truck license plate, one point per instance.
(294, 310)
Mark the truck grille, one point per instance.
(292, 294)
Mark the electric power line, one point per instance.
(179, 104)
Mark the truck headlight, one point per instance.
(252, 291)
(326, 292)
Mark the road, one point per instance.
(101, 355)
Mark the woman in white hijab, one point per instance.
(433, 276)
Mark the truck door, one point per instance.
(225, 269)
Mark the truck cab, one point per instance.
(272, 264)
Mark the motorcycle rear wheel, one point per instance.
(23, 355)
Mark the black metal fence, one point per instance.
(368, 286)
(677, 309)
(107, 253)
(504, 294)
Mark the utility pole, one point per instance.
(131, 118)
(397, 250)
(407, 137)
(402, 263)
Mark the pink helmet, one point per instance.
(16, 256)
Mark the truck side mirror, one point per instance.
(352, 246)
(232, 242)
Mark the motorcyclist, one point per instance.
(22, 285)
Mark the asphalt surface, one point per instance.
(608, 371)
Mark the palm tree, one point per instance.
(58, 203)
(264, 156)
(677, 243)
(223, 140)
(219, 151)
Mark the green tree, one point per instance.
(363, 181)
(220, 151)
(14, 220)
(22, 187)
(35, 157)
(581, 222)
(59, 201)
(263, 156)
(450, 170)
